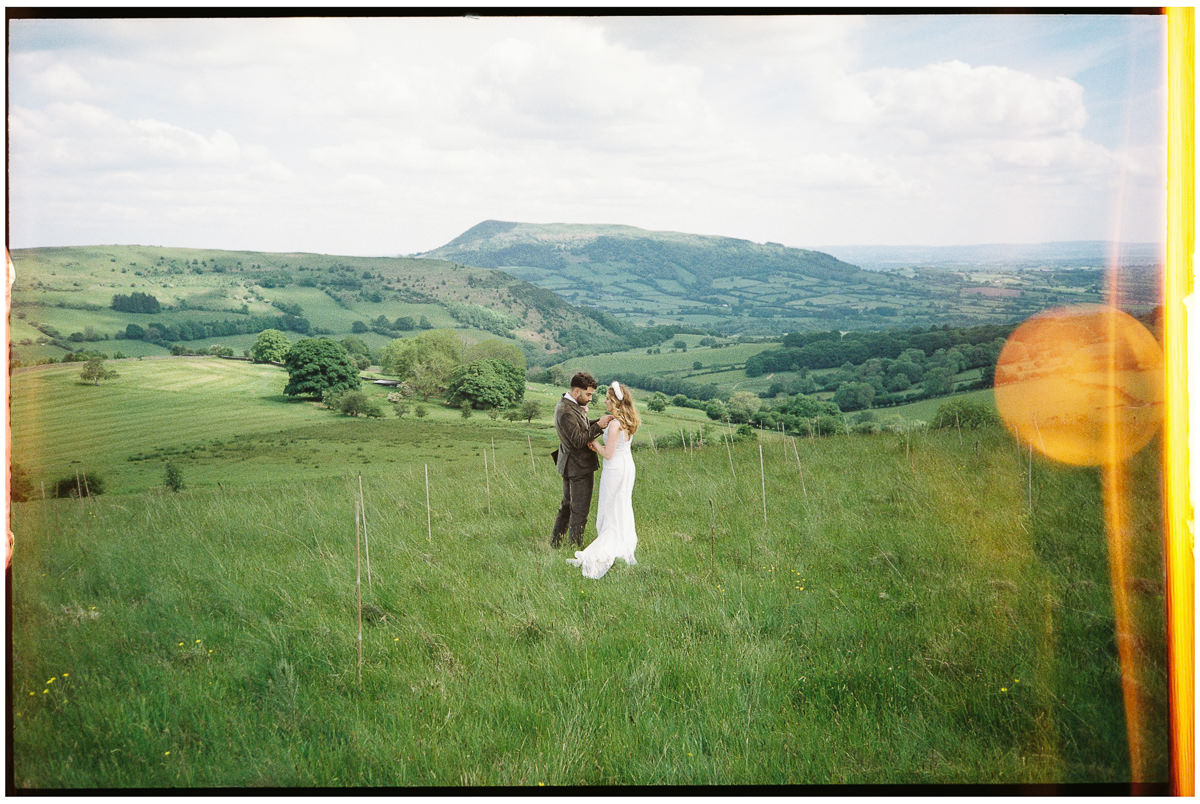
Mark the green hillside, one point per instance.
(737, 286)
(925, 608)
(63, 300)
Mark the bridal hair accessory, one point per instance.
(617, 390)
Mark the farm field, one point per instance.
(670, 362)
(926, 608)
(70, 291)
(228, 421)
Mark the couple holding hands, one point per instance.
(576, 460)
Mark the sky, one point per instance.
(389, 136)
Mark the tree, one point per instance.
(716, 410)
(530, 410)
(94, 371)
(937, 382)
(854, 396)
(134, 333)
(271, 346)
(496, 349)
(742, 405)
(486, 383)
(658, 402)
(318, 365)
(433, 354)
(355, 346)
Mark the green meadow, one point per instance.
(923, 608)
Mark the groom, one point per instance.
(576, 463)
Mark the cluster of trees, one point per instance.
(880, 369)
(484, 318)
(382, 325)
(163, 332)
(823, 350)
(488, 374)
(135, 303)
(485, 375)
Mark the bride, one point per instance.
(616, 535)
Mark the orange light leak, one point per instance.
(1068, 377)
(1180, 552)
(1084, 385)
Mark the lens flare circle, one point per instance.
(1082, 385)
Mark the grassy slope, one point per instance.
(228, 421)
(51, 277)
(901, 616)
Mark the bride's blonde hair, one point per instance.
(623, 408)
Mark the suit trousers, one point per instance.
(573, 513)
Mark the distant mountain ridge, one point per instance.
(734, 286)
(1081, 253)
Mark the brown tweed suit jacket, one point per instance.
(574, 433)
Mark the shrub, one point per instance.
(530, 410)
(964, 413)
(715, 409)
(355, 403)
(80, 485)
(173, 477)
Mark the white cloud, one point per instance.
(61, 81)
(394, 135)
(953, 100)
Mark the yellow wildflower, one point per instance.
(1004, 689)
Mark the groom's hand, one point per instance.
(592, 446)
(604, 420)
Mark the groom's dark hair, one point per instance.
(583, 380)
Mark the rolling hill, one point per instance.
(734, 286)
(63, 300)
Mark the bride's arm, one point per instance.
(611, 434)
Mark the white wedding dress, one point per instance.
(616, 535)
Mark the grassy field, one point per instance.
(905, 613)
(228, 421)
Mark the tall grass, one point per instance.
(907, 620)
